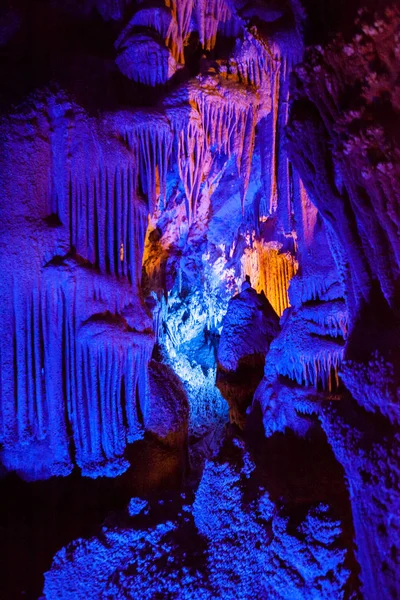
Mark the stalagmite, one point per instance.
(248, 329)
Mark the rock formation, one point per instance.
(249, 546)
(249, 326)
(156, 157)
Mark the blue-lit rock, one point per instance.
(247, 543)
(154, 156)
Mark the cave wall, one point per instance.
(343, 139)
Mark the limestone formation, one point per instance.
(199, 295)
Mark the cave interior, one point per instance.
(200, 299)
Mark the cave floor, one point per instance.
(39, 518)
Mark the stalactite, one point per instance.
(283, 168)
(34, 430)
(105, 214)
(112, 379)
(256, 61)
(270, 271)
(85, 260)
(310, 361)
(220, 121)
(262, 63)
(304, 213)
(192, 161)
(150, 139)
(65, 379)
(174, 27)
(177, 36)
(229, 117)
(208, 17)
(224, 117)
(246, 155)
(327, 318)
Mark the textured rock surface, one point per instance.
(249, 546)
(104, 190)
(342, 137)
(248, 328)
(152, 156)
(167, 411)
(367, 447)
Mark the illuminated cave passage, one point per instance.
(200, 356)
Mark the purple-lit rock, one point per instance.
(156, 158)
